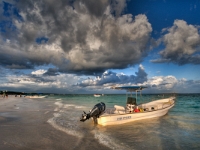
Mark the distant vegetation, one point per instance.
(19, 93)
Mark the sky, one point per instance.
(87, 46)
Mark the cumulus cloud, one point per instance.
(37, 81)
(39, 72)
(79, 37)
(160, 83)
(171, 84)
(52, 72)
(109, 78)
(182, 44)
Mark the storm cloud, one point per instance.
(73, 36)
(109, 78)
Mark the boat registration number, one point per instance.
(124, 118)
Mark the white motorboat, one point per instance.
(97, 95)
(36, 96)
(131, 112)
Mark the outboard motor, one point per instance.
(97, 111)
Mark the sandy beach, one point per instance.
(24, 126)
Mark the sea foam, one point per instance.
(52, 122)
(108, 141)
(59, 123)
(59, 99)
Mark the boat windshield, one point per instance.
(130, 89)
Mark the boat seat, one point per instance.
(119, 109)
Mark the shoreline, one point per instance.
(24, 126)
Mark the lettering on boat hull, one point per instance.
(123, 118)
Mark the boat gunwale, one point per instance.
(106, 115)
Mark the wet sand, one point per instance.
(24, 126)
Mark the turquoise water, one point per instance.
(179, 129)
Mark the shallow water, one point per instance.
(179, 129)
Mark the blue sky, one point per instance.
(86, 46)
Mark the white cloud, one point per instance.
(182, 43)
(62, 83)
(71, 83)
(39, 72)
(162, 82)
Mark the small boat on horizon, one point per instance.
(97, 95)
(36, 96)
(131, 112)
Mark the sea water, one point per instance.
(178, 129)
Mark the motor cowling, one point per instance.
(97, 111)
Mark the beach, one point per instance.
(24, 125)
(53, 123)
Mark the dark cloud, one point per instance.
(84, 36)
(96, 8)
(52, 72)
(38, 79)
(118, 6)
(110, 77)
(182, 42)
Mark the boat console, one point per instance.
(130, 104)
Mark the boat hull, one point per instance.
(97, 95)
(115, 119)
(35, 96)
